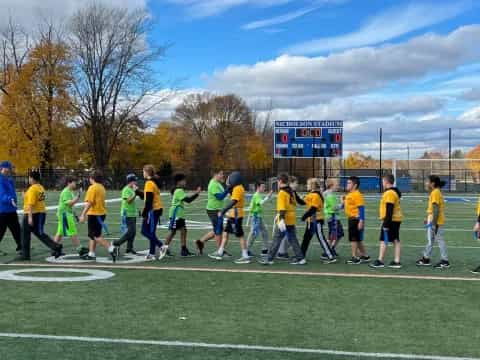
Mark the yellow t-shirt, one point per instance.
(353, 200)
(238, 193)
(391, 197)
(151, 187)
(436, 197)
(287, 203)
(314, 199)
(96, 195)
(35, 197)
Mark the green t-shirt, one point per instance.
(66, 196)
(128, 210)
(177, 203)
(331, 203)
(256, 207)
(214, 187)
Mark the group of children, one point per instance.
(322, 211)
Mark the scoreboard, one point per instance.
(308, 139)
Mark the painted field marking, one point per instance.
(249, 271)
(188, 344)
(91, 275)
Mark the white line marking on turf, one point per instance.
(251, 271)
(188, 344)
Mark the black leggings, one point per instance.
(37, 230)
(10, 221)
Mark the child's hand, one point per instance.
(82, 219)
(270, 193)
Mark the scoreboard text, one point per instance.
(308, 139)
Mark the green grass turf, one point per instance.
(348, 314)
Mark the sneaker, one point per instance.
(250, 254)
(113, 255)
(324, 256)
(58, 252)
(354, 261)
(186, 253)
(365, 259)
(82, 252)
(395, 265)
(444, 264)
(282, 256)
(200, 246)
(377, 264)
(150, 257)
(89, 258)
(330, 261)
(162, 252)
(243, 260)
(216, 256)
(131, 251)
(169, 254)
(265, 261)
(423, 262)
(476, 270)
(299, 262)
(264, 252)
(227, 254)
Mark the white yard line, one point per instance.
(241, 347)
(373, 275)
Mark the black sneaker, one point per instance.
(423, 262)
(444, 264)
(283, 256)
(227, 254)
(264, 252)
(82, 252)
(354, 261)
(58, 252)
(169, 254)
(186, 253)
(395, 265)
(131, 251)
(251, 254)
(113, 255)
(476, 270)
(365, 259)
(377, 264)
(89, 258)
(330, 261)
(324, 256)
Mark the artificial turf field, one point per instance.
(315, 311)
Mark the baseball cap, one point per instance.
(5, 164)
(131, 177)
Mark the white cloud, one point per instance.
(385, 26)
(281, 19)
(300, 81)
(207, 8)
(29, 13)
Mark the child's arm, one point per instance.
(189, 199)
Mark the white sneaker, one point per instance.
(299, 262)
(243, 260)
(162, 252)
(150, 257)
(215, 255)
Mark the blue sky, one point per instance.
(411, 67)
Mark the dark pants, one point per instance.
(37, 230)
(291, 235)
(129, 235)
(316, 229)
(149, 229)
(10, 220)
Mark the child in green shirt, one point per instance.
(129, 213)
(258, 225)
(177, 214)
(66, 218)
(332, 206)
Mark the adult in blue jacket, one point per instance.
(8, 204)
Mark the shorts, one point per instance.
(214, 219)
(393, 232)
(94, 226)
(354, 235)
(178, 224)
(335, 229)
(235, 226)
(66, 225)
